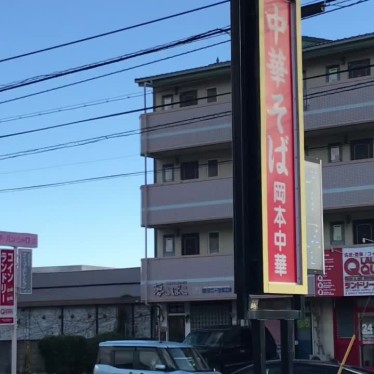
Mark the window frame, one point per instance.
(165, 251)
(189, 170)
(212, 168)
(329, 74)
(356, 238)
(366, 141)
(188, 98)
(166, 168)
(211, 97)
(331, 147)
(195, 236)
(356, 67)
(210, 241)
(342, 240)
(165, 105)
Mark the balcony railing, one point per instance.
(189, 127)
(343, 103)
(348, 185)
(189, 201)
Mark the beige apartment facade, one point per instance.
(189, 202)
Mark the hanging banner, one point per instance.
(284, 238)
(7, 286)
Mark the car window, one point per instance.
(187, 359)
(148, 359)
(204, 338)
(231, 338)
(123, 358)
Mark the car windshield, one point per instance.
(187, 359)
(204, 338)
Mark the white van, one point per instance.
(148, 357)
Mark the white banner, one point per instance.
(358, 271)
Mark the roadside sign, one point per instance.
(16, 239)
(7, 286)
(24, 271)
(282, 148)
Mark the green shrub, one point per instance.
(64, 354)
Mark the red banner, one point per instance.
(7, 286)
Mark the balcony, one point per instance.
(351, 102)
(348, 185)
(188, 201)
(190, 127)
(188, 278)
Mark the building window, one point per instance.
(332, 73)
(212, 168)
(169, 245)
(190, 244)
(213, 242)
(190, 170)
(188, 98)
(167, 102)
(361, 149)
(337, 233)
(168, 173)
(359, 68)
(211, 94)
(363, 229)
(335, 152)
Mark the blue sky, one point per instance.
(98, 223)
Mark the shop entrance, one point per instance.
(366, 324)
(176, 329)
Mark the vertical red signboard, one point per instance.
(284, 242)
(7, 286)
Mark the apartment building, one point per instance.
(339, 130)
(189, 203)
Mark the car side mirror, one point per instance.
(160, 367)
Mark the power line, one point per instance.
(113, 73)
(198, 37)
(112, 115)
(92, 179)
(83, 142)
(71, 107)
(334, 10)
(68, 164)
(146, 23)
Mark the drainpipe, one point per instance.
(145, 200)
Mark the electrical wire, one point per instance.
(83, 142)
(111, 115)
(334, 10)
(68, 164)
(146, 23)
(113, 73)
(92, 179)
(41, 78)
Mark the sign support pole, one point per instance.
(15, 324)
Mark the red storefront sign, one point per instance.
(7, 286)
(16, 239)
(282, 148)
(348, 272)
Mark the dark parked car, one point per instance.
(306, 367)
(228, 348)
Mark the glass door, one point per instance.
(367, 339)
